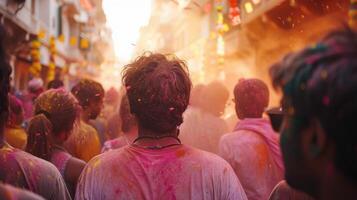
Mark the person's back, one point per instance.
(203, 126)
(178, 172)
(253, 147)
(156, 165)
(251, 159)
(202, 129)
(83, 137)
(23, 170)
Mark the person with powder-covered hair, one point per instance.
(156, 165)
(56, 111)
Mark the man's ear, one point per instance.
(314, 140)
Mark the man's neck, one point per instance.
(85, 117)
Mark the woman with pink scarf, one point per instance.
(253, 147)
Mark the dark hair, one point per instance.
(5, 71)
(55, 112)
(158, 88)
(87, 91)
(128, 119)
(55, 84)
(252, 97)
(321, 82)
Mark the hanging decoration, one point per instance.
(221, 28)
(61, 38)
(73, 41)
(35, 68)
(353, 14)
(84, 43)
(52, 63)
(234, 12)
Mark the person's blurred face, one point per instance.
(96, 108)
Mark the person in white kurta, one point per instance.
(253, 147)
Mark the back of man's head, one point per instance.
(319, 84)
(251, 98)
(158, 89)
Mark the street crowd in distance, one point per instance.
(160, 137)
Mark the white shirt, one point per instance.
(177, 172)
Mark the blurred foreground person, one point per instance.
(129, 128)
(284, 192)
(318, 137)
(7, 192)
(84, 143)
(204, 127)
(15, 135)
(253, 148)
(156, 165)
(55, 113)
(34, 89)
(17, 167)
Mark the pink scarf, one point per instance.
(264, 129)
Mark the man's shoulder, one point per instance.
(205, 157)
(112, 157)
(241, 137)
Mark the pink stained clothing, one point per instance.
(115, 144)
(24, 170)
(202, 130)
(249, 149)
(60, 160)
(8, 192)
(284, 192)
(177, 172)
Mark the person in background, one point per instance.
(204, 129)
(8, 192)
(318, 136)
(156, 165)
(34, 89)
(15, 135)
(129, 128)
(55, 84)
(253, 147)
(101, 123)
(55, 114)
(84, 142)
(112, 102)
(17, 167)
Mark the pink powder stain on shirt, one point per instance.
(180, 153)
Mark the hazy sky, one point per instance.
(125, 18)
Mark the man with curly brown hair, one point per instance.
(156, 165)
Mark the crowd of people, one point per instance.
(157, 138)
